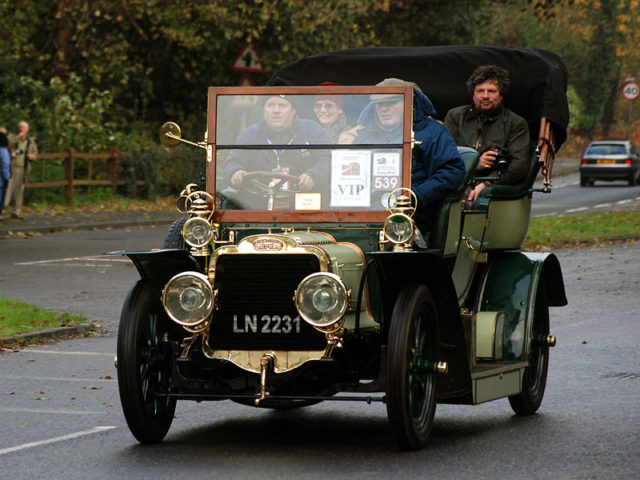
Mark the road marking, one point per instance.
(76, 259)
(622, 202)
(579, 209)
(49, 441)
(56, 379)
(58, 352)
(603, 205)
(49, 411)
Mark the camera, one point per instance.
(503, 158)
(19, 151)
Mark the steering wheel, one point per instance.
(269, 183)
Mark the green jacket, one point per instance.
(32, 149)
(500, 128)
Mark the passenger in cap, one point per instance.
(436, 169)
(329, 111)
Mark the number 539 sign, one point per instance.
(630, 91)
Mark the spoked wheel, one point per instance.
(142, 366)
(534, 381)
(411, 385)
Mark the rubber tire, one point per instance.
(174, 239)
(140, 369)
(583, 181)
(632, 180)
(411, 396)
(534, 380)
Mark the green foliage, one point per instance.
(579, 122)
(80, 117)
(22, 98)
(151, 170)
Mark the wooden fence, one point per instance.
(107, 170)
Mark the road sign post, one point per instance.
(630, 92)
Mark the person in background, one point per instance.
(329, 112)
(488, 126)
(5, 166)
(23, 153)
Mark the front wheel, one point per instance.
(534, 380)
(411, 385)
(174, 238)
(143, 368)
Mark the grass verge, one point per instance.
(583, 230)
(18, 317)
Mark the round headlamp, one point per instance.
(321, 299)
(188, 299)
(398, 228)
(197, 232)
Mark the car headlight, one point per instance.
(188, 299)
(197, 232)
(398, 228)
(321, 299)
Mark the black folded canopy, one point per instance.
(538, 77)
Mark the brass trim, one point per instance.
(249, 360)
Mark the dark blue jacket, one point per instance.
(437, 168)
(314, 163)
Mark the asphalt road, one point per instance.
(567, 197)
(60, 413)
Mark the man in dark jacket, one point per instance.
(487, 125)
(436, 169)
(280, 127)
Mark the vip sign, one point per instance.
(350, 178)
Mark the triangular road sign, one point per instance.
(248, 61)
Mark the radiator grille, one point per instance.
(255, 303)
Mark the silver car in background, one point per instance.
(609, 160)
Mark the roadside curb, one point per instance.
(15, 229)
(50, 333)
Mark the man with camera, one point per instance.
(498, 134)
(23, 153)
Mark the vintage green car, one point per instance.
(278, 292)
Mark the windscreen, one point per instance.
(308, 152)
(607, 149)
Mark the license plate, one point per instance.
(605, 161)
(264, 324)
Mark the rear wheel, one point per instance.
(534, 381)
(632, 180)
(583, 181)
(411, 388)
(143, 368)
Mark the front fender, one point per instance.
(395, 271)
(161, 265)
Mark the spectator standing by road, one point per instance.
(5, 166)
(487, 125)
(23, 153)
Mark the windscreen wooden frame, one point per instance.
(304, 216)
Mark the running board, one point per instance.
(501, 381)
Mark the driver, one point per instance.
(280, 126)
